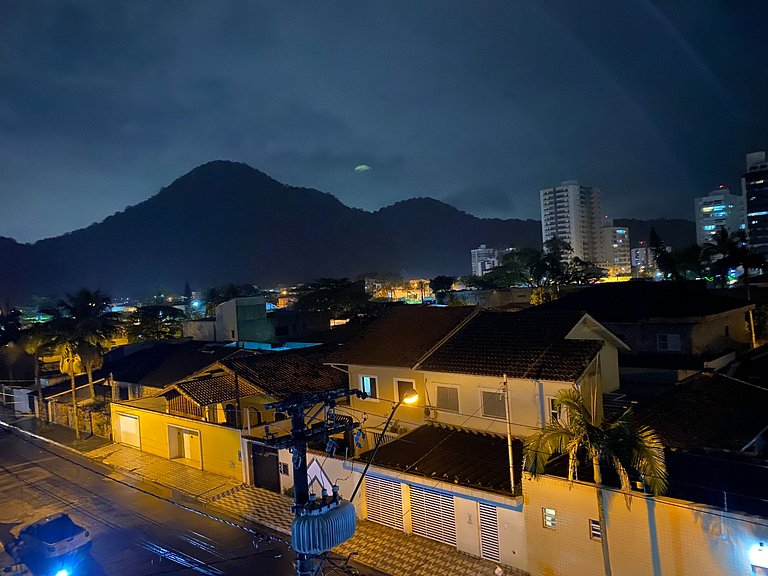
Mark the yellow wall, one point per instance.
(220, 446)
(528, 400)
(656, 537)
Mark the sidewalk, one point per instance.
(378, 547)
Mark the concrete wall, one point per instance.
(202, 330)
(220, 447)
(655, 537)
(512, 534)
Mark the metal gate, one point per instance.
(489, 532)
(384, 501)
(129, 430)
(433, 515)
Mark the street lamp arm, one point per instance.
(375, 449)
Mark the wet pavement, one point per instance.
(375, 548)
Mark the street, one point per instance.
(134, 532)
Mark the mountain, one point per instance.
(228, 222)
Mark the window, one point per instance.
(448, 398)
(493, 404)
(549, 517)
(403, 387)
(554, 410)
(668, 342)
(283, 467)
(595, 532)
(368, 385)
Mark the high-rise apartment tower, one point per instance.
(754, 184)
(572, 213)
(719, 209)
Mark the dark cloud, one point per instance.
(101, 104)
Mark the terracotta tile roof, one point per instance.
(709, 411)
(629, 302)
(282, 374)
(163, 362)
(214, 389)
(453, 455)
(402, 336)
(526, 344)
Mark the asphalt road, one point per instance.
(134, 531)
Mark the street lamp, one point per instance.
(410, 397)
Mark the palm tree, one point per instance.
(626, 448)
(33, 339)
(92, 328)
(64, 337)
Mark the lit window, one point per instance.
(595, 532)
(554, 409)
(448, 398)
(368, 385)
(550, 518)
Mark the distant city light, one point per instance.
(195, 303)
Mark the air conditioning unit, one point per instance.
(430, 413)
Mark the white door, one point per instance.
(129, 430)
(384, 501)
(433, 515)
(191, 446)
(489, 532)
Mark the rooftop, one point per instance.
(454, 455)
(527, 344)
(402, 336)
(709, 411)
(630, 302)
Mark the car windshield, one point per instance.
(57, 529)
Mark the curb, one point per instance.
(174, 498)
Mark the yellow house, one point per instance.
(208, 420)
(479, 369)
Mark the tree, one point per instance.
(10, 325)
(440, 285)
(83, 325)
(337, 296)
(33, 340)
(626, 448)
(155, 322)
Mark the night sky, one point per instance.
(479, 104)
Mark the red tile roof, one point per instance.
(402, 336)
(526, 344)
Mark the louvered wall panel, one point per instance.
(384, 501)
(433, 515)
(489, 532)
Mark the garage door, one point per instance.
(129, 430)
(489, 532)
(433, 515)
(384, 501)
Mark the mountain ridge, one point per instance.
(226, 221)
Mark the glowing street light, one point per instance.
(410, 398)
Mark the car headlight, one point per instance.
(62, 572)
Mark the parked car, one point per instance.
(54, 536)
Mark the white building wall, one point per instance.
(717, 210)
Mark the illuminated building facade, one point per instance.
(484, 259)
(754, 184)
(572, 213)
(719, 209)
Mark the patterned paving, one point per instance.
(258, 505)
(382, 548)
(180, 477)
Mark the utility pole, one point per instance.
(509, 435)
(309, 532)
